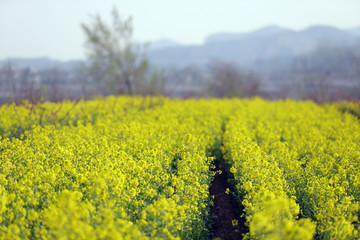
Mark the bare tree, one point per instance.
(17, 84)
(327, 74)
(8, 90)
(228, 81)
(185, 82)
(115, 57)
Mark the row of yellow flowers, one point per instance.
(114, 168)
(295, 162)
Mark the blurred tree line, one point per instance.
(328, 74)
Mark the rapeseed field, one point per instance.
(141, 168)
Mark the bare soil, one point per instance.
(225, 208)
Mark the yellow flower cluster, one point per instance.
(114, 168)
(352, 107)
(296, 160)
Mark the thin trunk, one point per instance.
(128, 85)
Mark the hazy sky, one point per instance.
(49, 28)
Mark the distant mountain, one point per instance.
(329, 35)
(263, 32)
(163, 43)
(40, 63)
(354, 31)
(247, 48)
(46, 63)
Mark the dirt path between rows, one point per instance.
(225, 209)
